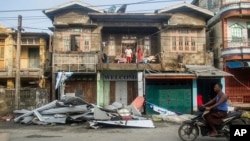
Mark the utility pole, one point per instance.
(18, 50)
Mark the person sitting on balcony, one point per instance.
(128, 53)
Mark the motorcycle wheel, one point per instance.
(188, 132)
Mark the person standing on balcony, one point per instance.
(128, 53)
(140, 55)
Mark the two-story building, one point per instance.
(228, 37)
(34, 69)
(170, 63)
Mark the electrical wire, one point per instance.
(241, 83)
(118, 4)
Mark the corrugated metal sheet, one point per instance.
(206, 71)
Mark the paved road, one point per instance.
(163, 132)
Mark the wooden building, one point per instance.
(34, 69)
(167, 45)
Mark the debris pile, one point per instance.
(73, 109)
(167, 115)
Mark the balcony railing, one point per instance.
(234, 4)
(237, 43)
(75, 62)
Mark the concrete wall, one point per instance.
(29, 99)
(215, 42)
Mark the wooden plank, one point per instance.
(112, 92)
(132, 89)
(88, 87)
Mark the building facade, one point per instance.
(170, 65)
(34, 69)
(228, 37)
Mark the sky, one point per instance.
(34, 20)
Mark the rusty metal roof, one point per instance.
(206, 71)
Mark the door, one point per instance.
(34, 60)
(121, 92)
(173, 95)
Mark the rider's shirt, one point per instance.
(223, 106)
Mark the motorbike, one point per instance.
(189, 130)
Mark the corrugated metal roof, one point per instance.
(206, 71)
(170, 76)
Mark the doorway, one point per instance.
(205, 88)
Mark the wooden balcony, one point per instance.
(75, 62)
(24, 73)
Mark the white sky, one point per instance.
(36, 21)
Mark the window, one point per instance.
(1, 52)
(2, 42)
(193, 44)
(184, 40)
(87, 43)
(66, 43)
(174, 43)
(236, 32)
(77, 30)
(111, 47)
(30, 41)
(2, 48)
(77, 42)
(180, 43)
(183, 31)
(186, 43)
(34, 58)
(74, 42)
(146, 47)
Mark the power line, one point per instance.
(135, 3)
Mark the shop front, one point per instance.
(117, 86)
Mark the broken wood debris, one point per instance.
(72, 109)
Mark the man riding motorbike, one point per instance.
(218, 108)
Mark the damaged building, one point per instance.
(34, 70)
(171, 61)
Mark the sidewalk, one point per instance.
(4, 136)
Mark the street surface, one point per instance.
(163, 132)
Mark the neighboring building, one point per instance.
(212, 5)
(33, 61)
(228, 36)
(89, 46)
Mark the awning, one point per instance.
(206, 71)
(170, 76)
(237, 64)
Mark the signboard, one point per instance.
(120, 77)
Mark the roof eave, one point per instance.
(193, 7)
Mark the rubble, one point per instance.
(167, 115)
(72, 109)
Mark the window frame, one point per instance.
(183, 40)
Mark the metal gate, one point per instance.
(174, 95)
